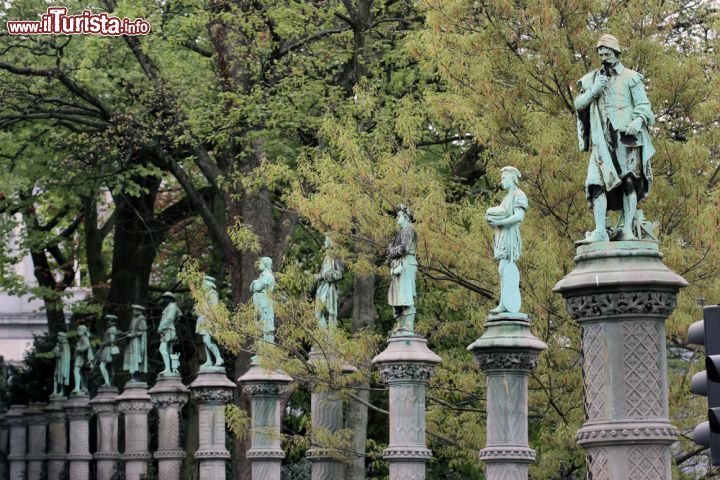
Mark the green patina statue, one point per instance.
(135, 357)
(84, 357)
(108, 349)
(403, 268)
(613, 118)
(326, 295)
(212, 352)
(506, 219)
(166, 329)
(61, 378)
(262, 289)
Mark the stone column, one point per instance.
(507, 352)
(37, 429)
(135, 403)
(265, 390)
(106, 413)
(3, 444)
(57, 436)
(18, 442)
(327, 416)
(169, 395)
(621, 294)
(78, 412)
(406, 365)
(212, 390)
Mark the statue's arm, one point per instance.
(406, 237)
(641, 103)
(517, 217)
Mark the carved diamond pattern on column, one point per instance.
(594, 369)
(517, 421)
(642, 382)
(597, 464)
(646, 463)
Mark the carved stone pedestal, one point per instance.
(135, 403)
(57, 436)
(78, 412)
(3, 444)
(37, 428)
(169, 395)
(107, 454)
(621, 294)
(18, 442)
(327, 416)
(212, 390)
(406, 365)
(265, 390)
(507, 352)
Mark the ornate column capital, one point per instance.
(524, 361)
(212, 395)
(265, 389)
(619, 305)
(406, 372)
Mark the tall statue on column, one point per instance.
(613, 118)
(135, 358)
(84, 359)
(326, 295)
(108, 350)
(212, 352)
(262, 289)
(61, 378)
(403, 269)
(505, 220)
(166, 329)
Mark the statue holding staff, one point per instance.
(61, 351)
(262, 289)
(403, 269)
(135, 358)
(84, 357)
(212, 352)
(326, 295)
(614, 114)
(505, 220)
(166, 329)
(108, 349)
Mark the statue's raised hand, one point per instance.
(601, 82)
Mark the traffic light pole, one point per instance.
(621, 293)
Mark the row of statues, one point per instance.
(613, 120)
(135, 360)
(402, 294)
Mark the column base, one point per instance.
(507, 453)
(618, 433)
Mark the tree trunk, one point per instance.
(133, 249)
(356, 418)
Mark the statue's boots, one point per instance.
(594, 237)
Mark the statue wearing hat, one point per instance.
(212, 352)
(262, 289)
(613, 118)
(135, 358)
(84, 357)
(108, 349)
(166, 329)
(507, 246)
(403, 268)
(61, 352)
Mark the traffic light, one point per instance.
(707, 332)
